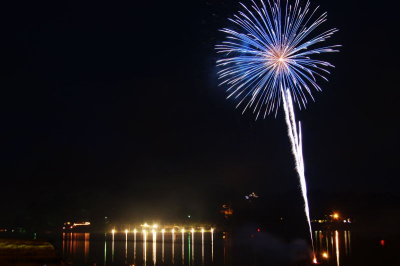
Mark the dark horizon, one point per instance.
(115, 108)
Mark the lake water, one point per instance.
(340, 248)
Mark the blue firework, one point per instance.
(271, 50)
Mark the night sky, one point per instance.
(114, 109)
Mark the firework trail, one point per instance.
(267, 63)
(297, 150)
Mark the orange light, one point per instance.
(315, 260)
(335, 216)
(325, 255)
(80, 224)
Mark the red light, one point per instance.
(258, 230)
(382, 242)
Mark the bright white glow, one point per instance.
(134, 231)
(113, 231)
(126, 231)
(337, 248)
(202, 230)
(297, 150)
(163, 230)
(183, 230)
(173, 230)
(315, 260)
(192, 230)
(155, 225)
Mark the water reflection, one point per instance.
(331, 244)
(337, 248)
(144, 246)
(173, 247)
(126, 245)
(112, 245)
(202, 246)
(77, 244)
(105, 249)
(195, 247)
(192, 247)
(162, 245)
(132, 248)
(183, 246)
(154, 247)
(212, 244)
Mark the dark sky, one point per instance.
(115, 106)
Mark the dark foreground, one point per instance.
(27, 253)
(333, 248)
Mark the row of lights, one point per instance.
(113, 231)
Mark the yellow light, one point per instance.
(113, 231)
(134, 230)
(126, 231)
(202, 230)
(80, 224)
(163, 230)
(335, 215)
(325, 255)
(145, 225)
(183, 230)
(155, 225)
(144, 231)
(212, 230)
(192, 230)
(153, 231)
(173, 230)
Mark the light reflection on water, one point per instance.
(152, 248)
(76, 243)
(332, 246)
(146, 248)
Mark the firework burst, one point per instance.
(268, 62)
(271, 51)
